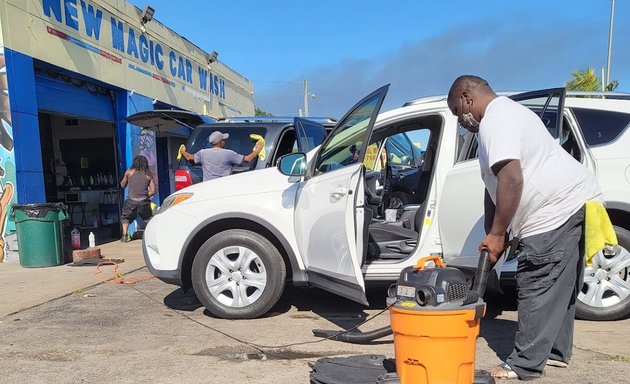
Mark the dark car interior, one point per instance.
(398, 239)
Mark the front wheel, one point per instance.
(605, 294)
(238, 274)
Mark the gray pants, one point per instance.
(549, 277)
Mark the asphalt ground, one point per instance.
(151, 332)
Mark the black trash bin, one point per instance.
(39, 230)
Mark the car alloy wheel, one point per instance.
(605, 294)
(236, 276)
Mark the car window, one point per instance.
(344, 146)
(311, 134)
(601, 127)
(239, 140)
(466, 145)
(399, 150)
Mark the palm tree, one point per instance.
(587, 80)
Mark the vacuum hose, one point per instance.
(357, 337)
(353, 337)
(483, 272)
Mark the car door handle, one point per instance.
(339, 192)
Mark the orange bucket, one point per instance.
(434, 344)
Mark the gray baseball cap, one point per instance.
(216, 137)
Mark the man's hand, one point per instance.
(182, 149)
(495, 244)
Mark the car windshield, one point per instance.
(239, 140)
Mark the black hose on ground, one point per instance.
(353, 337)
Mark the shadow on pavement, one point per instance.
(343, 313)
(499, 333)
(182, 301)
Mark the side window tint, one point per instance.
(399, 150)
(312, 135)
(601, 127)
(344, 146)
(466, 145)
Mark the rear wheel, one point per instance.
(238, 274)
(605, 294)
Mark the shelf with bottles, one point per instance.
(95, 181)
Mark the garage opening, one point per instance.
(79, 163)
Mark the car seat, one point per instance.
(398, 239)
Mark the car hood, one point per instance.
(241, 184)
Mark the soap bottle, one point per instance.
(91, 240)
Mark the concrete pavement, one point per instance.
(22, 288)
(25, 288)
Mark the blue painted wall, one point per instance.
(28, 157)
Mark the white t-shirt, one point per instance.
(555, 185)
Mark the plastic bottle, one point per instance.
(92, 240)
(75, 238)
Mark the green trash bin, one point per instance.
(39, 230)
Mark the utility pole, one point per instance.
(305, 97)
(610, 36)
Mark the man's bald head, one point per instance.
(468, 98)
(467, 83)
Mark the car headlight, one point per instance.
(173, 200)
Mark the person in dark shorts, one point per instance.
(141, 188)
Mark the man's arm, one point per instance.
(257, 148)
(509, 191)
(123, 182)
(188, 156)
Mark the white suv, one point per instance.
(318, 219)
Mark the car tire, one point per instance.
(399, 199)
(604, 295)
(238, 274)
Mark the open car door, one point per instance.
(329, 211)
(309, 134)
(461, 212)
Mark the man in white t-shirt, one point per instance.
(536, 190)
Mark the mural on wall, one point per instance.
(7, 165)
(144, 144)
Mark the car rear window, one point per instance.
(239, 140)
(601, 127)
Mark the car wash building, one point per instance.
(71, 71)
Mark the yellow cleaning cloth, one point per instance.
(179, 152)
(599, 231)
(261, 140)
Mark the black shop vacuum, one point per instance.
(435, 317)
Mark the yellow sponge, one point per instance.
(179, 152)
(261, 140)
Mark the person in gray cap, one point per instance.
(218, 161)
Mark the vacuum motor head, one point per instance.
(432, 287)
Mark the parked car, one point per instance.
(237, 239)
(278, 132)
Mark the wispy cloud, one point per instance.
(518, 56)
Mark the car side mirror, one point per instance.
(293, 164)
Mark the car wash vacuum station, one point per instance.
(435, 318)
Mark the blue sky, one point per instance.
(347, 48)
